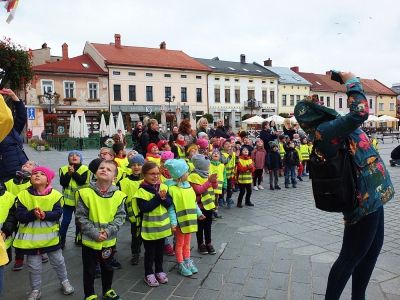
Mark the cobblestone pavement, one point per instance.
(282, 248)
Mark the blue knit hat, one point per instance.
(176, 167)
(76, 152)
(137, 158)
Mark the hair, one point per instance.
(200, 122)
(226, 141)
(151, 122)
(109, 150)
(110, 162)
(243, 134)
(117, 147)
(185, 127)
(274, 127)
(263, 124)
(148, 165)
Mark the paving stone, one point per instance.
(300, 261)
(391, 286)
(301, 275)
(237, 276)
(203, 294)
(278, 281)
(255, 288)
(319, 285)
(320, 269)
(230, 253)
(188, 287)
(231, 291)
(264, 257)
(276, 294)
(160, 291)
(281, 265)
(214, 281)
(223, 266)
(244, 262)
(260, 271)
(300, 291)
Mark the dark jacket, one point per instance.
(267, 136)
(274, 160)
(149, 137)
(148, 206)
(291, 157)
(10, 224)
(395, 154)
(12, 156)
(222, 132)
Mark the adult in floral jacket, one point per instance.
(364, 226)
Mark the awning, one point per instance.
(135, 117)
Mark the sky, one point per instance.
(315, 35)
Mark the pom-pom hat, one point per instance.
(203, 143)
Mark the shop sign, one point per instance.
(268, 110)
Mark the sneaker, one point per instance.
(217, 215)
(45, 259)
(299, 178)
(202, 249)
(235, 190)
(97, 272)
(210, 249)
(115, 264)
(295, 186)
(111, 295)
(230, 202)
(151, 280)
(255, 188)
(168, 250)
(190, 265)
(271, 187)
(18, 265)
(221, 202)
(260, 187)
(239, 205)
(67, 288)
(184, 270)
(277, 187)
(162, 277)
(35, 294)
(286, 186)
(92, 297)
(135, 259)
(249, 203)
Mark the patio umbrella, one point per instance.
(103, 126)
(293, 120)
(372, 118)
(77, 127)
(71, 126)
(111, 126)
(254, 120)
(178, 113)
(163, 118)
(84, 129)
(386, 118)
(276, 118)
(120, 123)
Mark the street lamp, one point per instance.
(50, 97)
(169, 99)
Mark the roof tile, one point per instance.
(378, 87)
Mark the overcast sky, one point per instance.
(319, 35)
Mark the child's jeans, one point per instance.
(182, 245)
(273, 177)
(258, 174)
(34, 263)
(290, 173)
(136, 241)
(1, 279)
(68, 210)
(244, 189)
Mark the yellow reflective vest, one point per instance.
(69, 191)
(230, 166)
(39, 233)
(304, 152)
(155, 224)
(14, 188)
(6, 202)
(102, 211)
(281, 150)
(185, 208)
(246, 177)
(219, 170)
(181, 152)
(190, 164)
(207, 198)
(129, 187)
(157, 160)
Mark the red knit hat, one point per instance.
(49, 173)
(151, 145)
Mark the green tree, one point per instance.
(157, 116)
(284, 115)
(106, 114)
(209, 118)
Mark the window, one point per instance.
(370, 102)
(69, 88)
(93, 88)
(381, 106)
(149, 93)
(117, 92)
(167, 75)
(340, 103)
(272, 97)
(328, 101)
(199, 95)
(216, 78)
(85, 65)
(321, 98)
(250, 94)
(236, 79)
(183, 94)
(131, 74)
(149, 74)
(251, 80)
(238, 119)
(291, 100)
(263, 81)
(227, 79)
(116, 73)
(132, 93)
(217, 96)
(297, 99)
(264, 96)
(167, 91)
(237, 95)
(391, 105)
(227, 95)
(183, 76)
(47, 86)
(198, 77)
(284, 100)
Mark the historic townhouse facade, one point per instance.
(239, 88)
(143, 81)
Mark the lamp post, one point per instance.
(169, 99)
(50, 96)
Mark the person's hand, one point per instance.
(173, 228)
(202, 217)
(70, 169)
(3, 235)
(103, 236)
(212, 178)
(139, 134)
(10, 93)
(163, 194)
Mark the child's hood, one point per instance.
(109, 192)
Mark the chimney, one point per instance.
(242, 58)
(268, 62)
(295, 69)
(163, 45)
(64, 51)
(117, 40)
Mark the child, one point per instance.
(291, 161)
(247, 144)
(203, 147)
(73, 177)
(216, 167)
(129, 186)
(183, 214)
(152, 154)
(100, 213)
(274, 163)
(163, 145)
(304, 154)
(179, 148)
(165, 155)
(153, 201)
(300, 166)
(258, 156)
(4, 259)
(192, 150)
(245, 168)
(120, 158)
(282, 147)
(109, 154)
(203, 185)
(228, 158)
(131, 153)
(39, 210)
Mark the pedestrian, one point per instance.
(305, 155)
(119, 137)
(109, 154)
(267, 134)
(192, 150)
(364, 226)
(39, 209)
(151, 135)
(100, 213)
(274, 163)
(217, 167)
(153, 154)
(43, 135)
(153, 201)
(183, 214)
(245, 170)
(221, 130)
(203, 185)
(258, 156)
(291, 161)
(395, 157)
(73, 177)
(228, 158)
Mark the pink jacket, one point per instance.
(258, 157)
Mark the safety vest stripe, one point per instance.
(39, 225)
(87, 238)
(208, 201)
(188, 223)
(109, 242)
(186, 212)
(36, 237)
(155, 218)
(146, 229)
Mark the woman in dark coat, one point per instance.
(151, 135)
(266, 135)
(221, 130)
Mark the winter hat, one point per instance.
(258, 140)
(296, 142)
(200, 162)
(282, 137)
(76, 152)
(203, 143)
(272, 144)
(190, 148)
(137, 158)
(161, 144)
(94, 165)
(176, 167)
(221, 142)
(151, 145)
(165, 155)
(49, 173)
(201, 135)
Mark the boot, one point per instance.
(286, 186)
(299, 178)
(271, 187)
(294, 185)
(249, 203)
(239, 204)
(277, 187)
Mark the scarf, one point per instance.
(180, 143)
(46, 191)
(202, 173)
(215, 163)
(165, 173)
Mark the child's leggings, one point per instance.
(257, 176)
(182, 245)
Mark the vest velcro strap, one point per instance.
(186, 212)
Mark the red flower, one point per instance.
(364, 143)
(12, 58)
